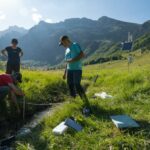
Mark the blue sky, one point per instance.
(27, 13)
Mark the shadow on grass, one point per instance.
(143, 130)
(102, 113)
(35, 139)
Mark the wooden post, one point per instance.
(24, 109)
(128, 67)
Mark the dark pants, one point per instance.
(12, 67)
(4, 91)
(74, 83)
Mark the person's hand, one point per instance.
(69, 60)
(5, 56)
(21, 94)
(64, 76)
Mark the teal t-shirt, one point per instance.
(73, 51)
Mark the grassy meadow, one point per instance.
(131, 96)
(43, 87)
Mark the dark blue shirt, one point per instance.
(13, 54)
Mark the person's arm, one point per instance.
(65, 73)
(15, 89)
(21, 53)
(4, 52)
(80, 56)
(14, 100)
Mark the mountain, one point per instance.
(13, 29)
(8, 34)
(99, 38)
(142, 42)
(41, 42)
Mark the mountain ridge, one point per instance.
(40, 43)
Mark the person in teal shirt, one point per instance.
(73, 71)
(72, 52)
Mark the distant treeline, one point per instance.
(104, 59)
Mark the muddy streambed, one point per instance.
(24, 129)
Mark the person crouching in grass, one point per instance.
(8, 87)
(73, 71)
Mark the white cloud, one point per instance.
(34, 9)
(36, 17)
(24, 12)
(2, 16)
(48, 20)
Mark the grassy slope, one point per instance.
(131, 93)
(42, 87)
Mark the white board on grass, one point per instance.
(60, 129)
(103, 95)
(124, 121)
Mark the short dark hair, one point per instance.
(14, 41)
(62, 38)
(65, 37)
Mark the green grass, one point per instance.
(131, 93)
(39, 87)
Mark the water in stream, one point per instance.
(28, 126)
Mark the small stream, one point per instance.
(38, 117)
(5, 144)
